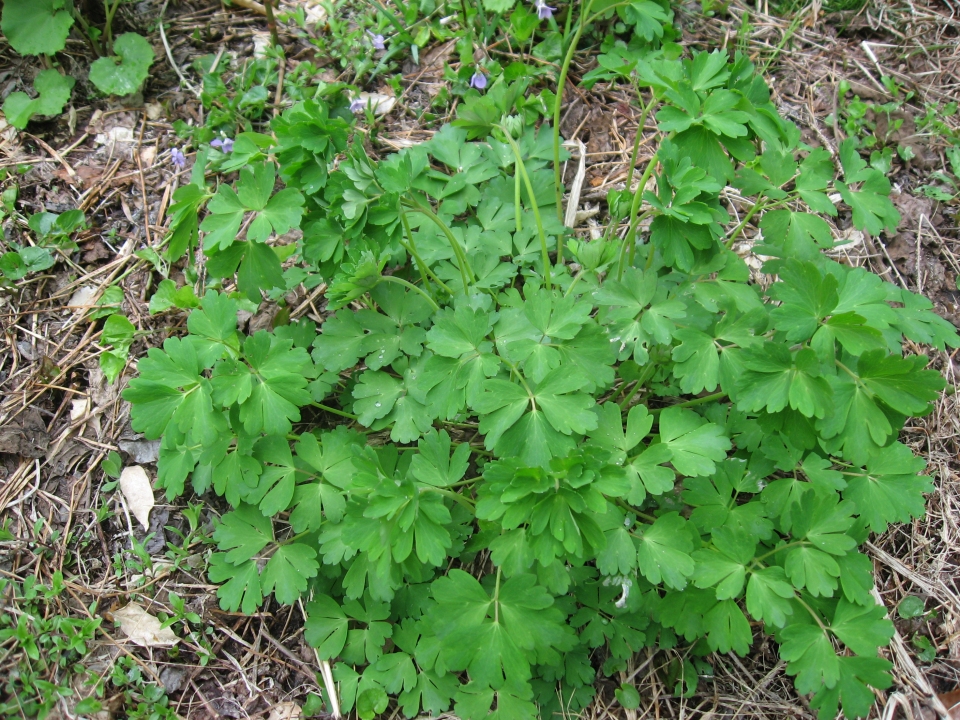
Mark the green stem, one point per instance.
(293, 538)
(85, 26)
(757, 206)
(636, 141)
(456, 497)
(536, 208)
(271, 22)
(111, 10)
(798, 543)
(576, 279)
(623, 506)
(631, 236)
(558, 101)
(516, 199)
(496, 599)
(522, 380)
(813, 614)
(327, 408)
(465, 269)
(467, 26)
(648, 371)
(484, 23)
(411, 286)
(412, 249)
(693, 403)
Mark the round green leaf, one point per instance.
(628, 697)
(53, 91)
(127, 75)
(36, 27)
(910, 607)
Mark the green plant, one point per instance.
(50, 231)
(53, 92)
(124, 74)
(20, 262)
(948, 188)
(506, 462)
(41, 27)
(42, 651)
(37, 27)
(142, 697)
(118, 333)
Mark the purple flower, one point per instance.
(478, 81)
(377, 40)
(223, 144)
(357, 105)
(178, 158)
(544, 11)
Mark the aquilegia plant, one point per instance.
(497, 471)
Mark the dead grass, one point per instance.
(59, 418)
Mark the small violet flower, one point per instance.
(478, 81)
(178, 158)
(224, 144)
(357, 105)
(377, 40)
(544, 11)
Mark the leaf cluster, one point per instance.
(504, 464)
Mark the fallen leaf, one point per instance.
(116, 134)
(83, 298)
(154, 111)
(316, 14)
(148, 155)
(951, 701)
(25, 436)
(79, 408)
(141, 451)
(285, 711)
(138, 492)
(261, 43)
(142, 628)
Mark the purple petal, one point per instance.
(227, 145)
(377, 40)
(357, 105)
(218, 143)
(478, 81)
(544, 11)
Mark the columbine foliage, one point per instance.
(545, 464)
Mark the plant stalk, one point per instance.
(271, 22)
(558, 101)
(533, 202)
(412, 249)
(411, 286)
(634, 218)
(465, 269)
